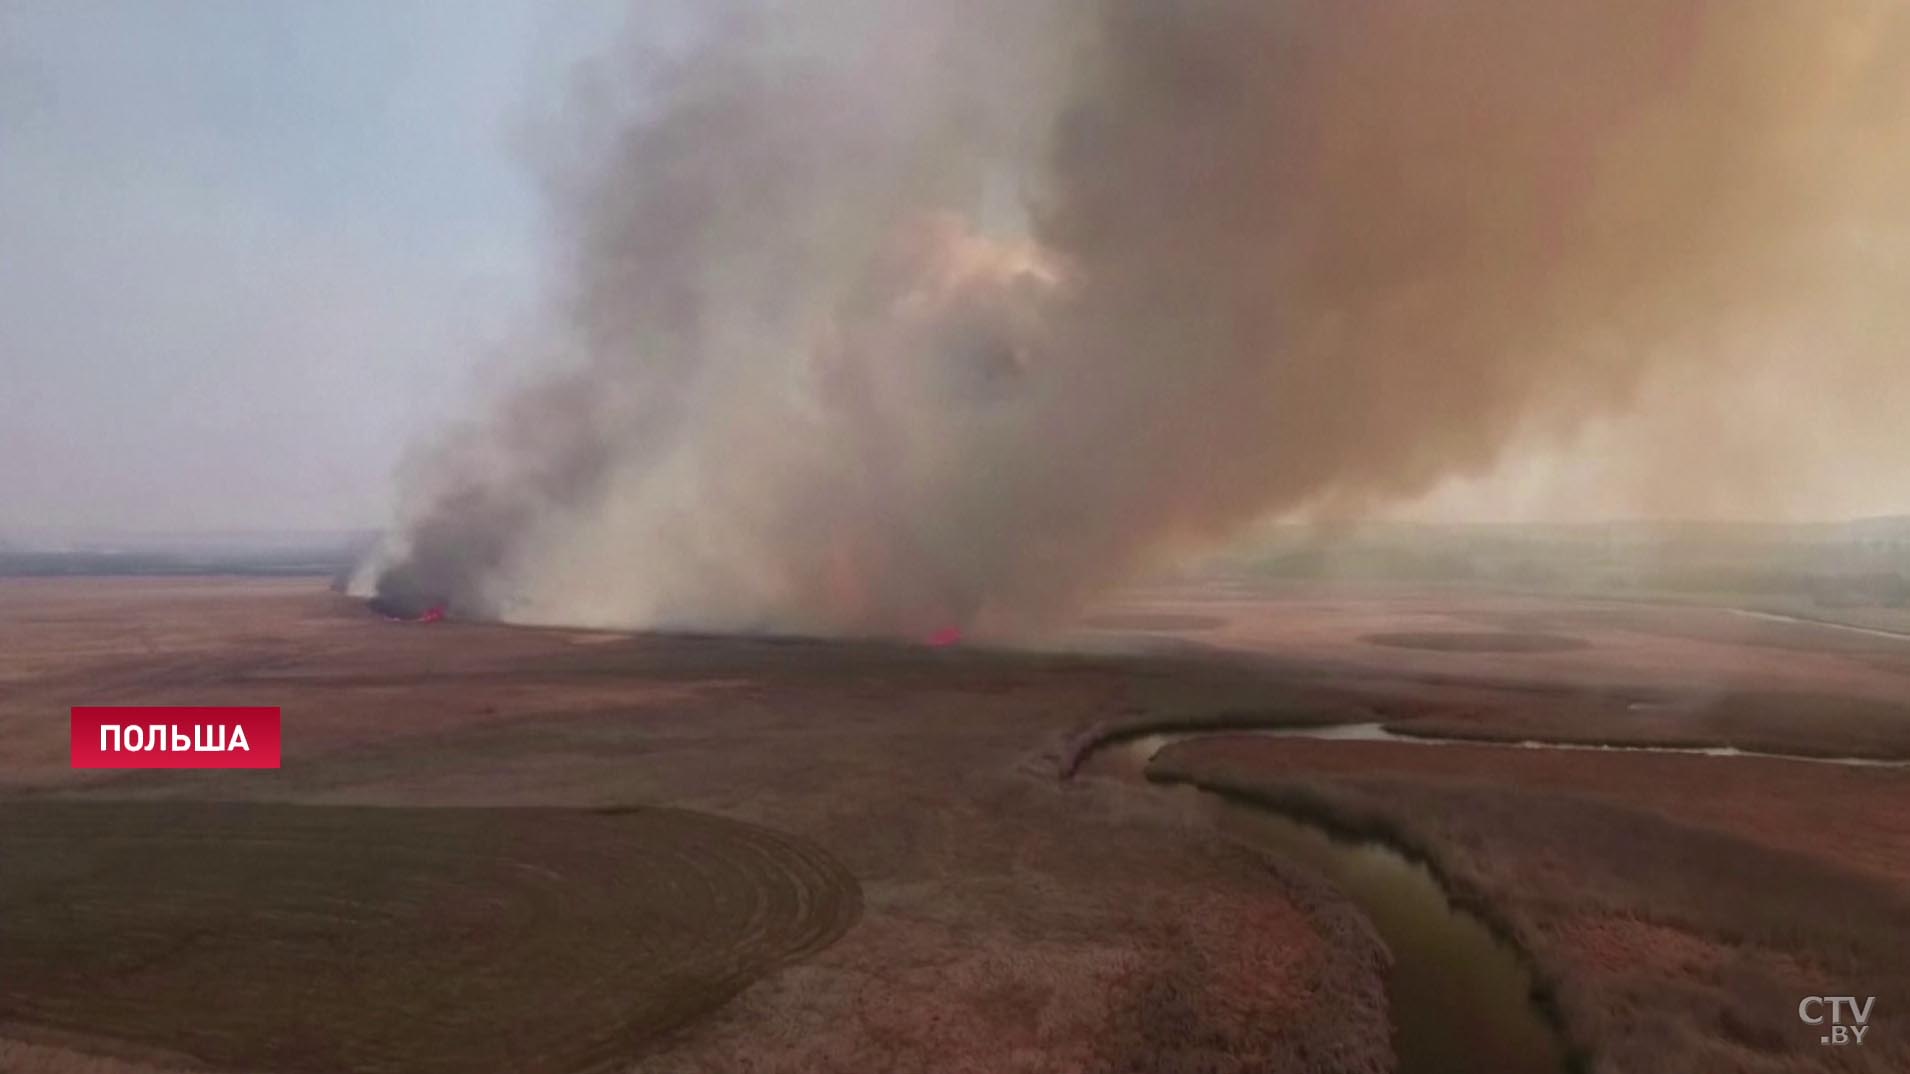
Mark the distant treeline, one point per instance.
(56, 564)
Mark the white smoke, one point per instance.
(891, 316)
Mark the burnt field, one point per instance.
(397, 938)
(505, 849)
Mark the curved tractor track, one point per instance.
(348, 939)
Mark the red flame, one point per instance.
(945, 637)
(432, 615)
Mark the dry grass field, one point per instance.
(325, 938)
(1681, 905)
(1008, 921)
(1437, 660)
(959, 907)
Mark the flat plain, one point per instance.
(865, 856)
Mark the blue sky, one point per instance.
(249, 250)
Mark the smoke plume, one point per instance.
(889, 315)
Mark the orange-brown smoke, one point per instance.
(887, 317)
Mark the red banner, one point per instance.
(175, 737)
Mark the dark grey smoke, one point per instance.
(886, 317)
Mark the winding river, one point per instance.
(1377, 732)
(1461, 999)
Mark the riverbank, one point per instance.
(1678, 903)
(1462, 995)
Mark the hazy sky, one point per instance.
(251, 249)
(248, 249)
